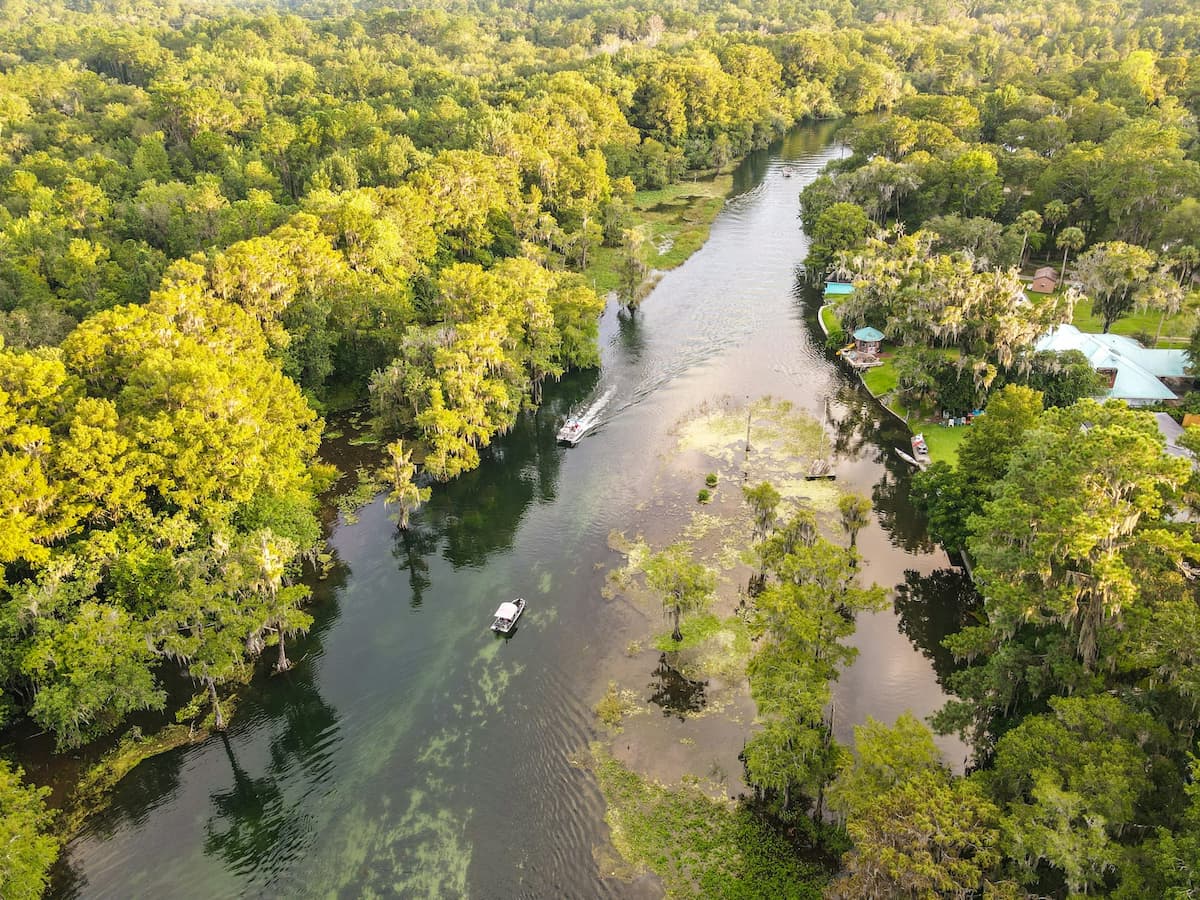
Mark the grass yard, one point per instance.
(1176, 329)
(943, 442)
(881, 379)
(829, 320)
(677, 220)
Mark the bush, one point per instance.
(837, 340)
(711, 479)
(610, 710)
(705, 495)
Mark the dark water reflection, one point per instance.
(408, 744)
(934, 606)
(675, 693)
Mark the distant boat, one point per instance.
(505, 619)
(788, 171)
(571, 432)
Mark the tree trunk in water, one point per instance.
(219, 722)
(283, 663)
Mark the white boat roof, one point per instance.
(507, 611)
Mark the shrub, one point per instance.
(711, 479)
(705, 495)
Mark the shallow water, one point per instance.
(411, 752)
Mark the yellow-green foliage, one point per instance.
(698, 846)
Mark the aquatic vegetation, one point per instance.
(616, 705)
(698, 846)
(367, 486)
(705, 496)
(710, 646)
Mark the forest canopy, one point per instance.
(219, 221)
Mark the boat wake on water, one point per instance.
(576, 427)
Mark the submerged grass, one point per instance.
(677, 220)
(91, 792)
(698, 846)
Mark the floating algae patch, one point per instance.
(430, 853)
(820, 496)
(702, 525)
(698, 846)
(782, 438)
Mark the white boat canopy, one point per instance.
(507, 611)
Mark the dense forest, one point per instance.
(219, 223)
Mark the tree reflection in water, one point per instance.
(934, 606)
(677, 694)
(255, 830)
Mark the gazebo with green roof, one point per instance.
(867, 340)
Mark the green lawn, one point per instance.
(942, 441)
(677, 219)
(881, 379)
(1176, 329)
(829, 320)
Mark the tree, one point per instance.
(1161, 292)
(928, 836)
(405, 493)
(764, 505)
(685, 585)
(843, 226)
(27, 847)
(280, 603)
(632, 270)
(1111, 273)
(1070, 782)
(883, 758)
(1026, 225)
(1070, 238)
(855, 513)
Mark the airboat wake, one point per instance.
(576, 427)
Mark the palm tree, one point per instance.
(1071, 239)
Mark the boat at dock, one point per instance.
(819, 470)
(505, 618)
(920, 452)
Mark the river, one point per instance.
(411, 753)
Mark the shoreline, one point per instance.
(677, 220)
(944, 447)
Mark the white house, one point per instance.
(1136, 374)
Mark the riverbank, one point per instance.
(676, 220)
(880, 383)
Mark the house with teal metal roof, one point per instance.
(1138, 375)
